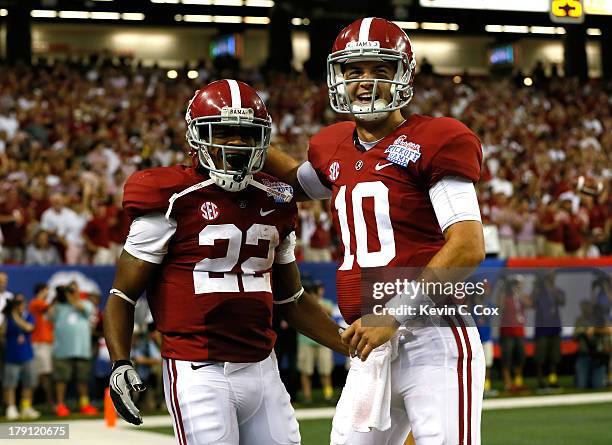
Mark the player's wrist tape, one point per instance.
(292, 298)
(121, 295)
(121, 363)
(404, 307)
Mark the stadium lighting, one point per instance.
(73, 15)
(227, 19)
(434, 26)
(3, 12)
(593, 31)
(516, 29)
(227, 2)
(259, 3)
(192, 74)
(196, 2)
(559, 30)
(407, 25)
(457, 79)
(172, 74)
(507, 28)
(297, 21)
(133, 16)
(104, 15)
(43, 14)
(528, 81)
(542, 30)
(165, 1)
(195, 18)
(257, 20)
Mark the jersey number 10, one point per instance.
(380, 193)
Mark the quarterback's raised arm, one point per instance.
(304, 179)
(302, 311)
(285, 168)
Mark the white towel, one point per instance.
(367, 392)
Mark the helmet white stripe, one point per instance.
(235, 91)
(364, 29)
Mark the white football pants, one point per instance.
(229, 403)
(437, 384)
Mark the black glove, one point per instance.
(124, 379)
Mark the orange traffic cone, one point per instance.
(110, 416)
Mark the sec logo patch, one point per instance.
(209, 210)
(333, 171)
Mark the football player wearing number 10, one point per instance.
(211, 244)
(402, 195)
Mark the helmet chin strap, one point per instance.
(230, 182)
(361, 113)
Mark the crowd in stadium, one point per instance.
(71, 133)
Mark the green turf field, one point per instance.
(564, 425)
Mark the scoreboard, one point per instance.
(599, 7)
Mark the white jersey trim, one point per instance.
(285, 252)
(454, 200)
(149, 237)
(310, 182)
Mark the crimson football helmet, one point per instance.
(233, 107)
(371, 39)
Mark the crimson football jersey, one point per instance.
(212, 297)
(381, 196)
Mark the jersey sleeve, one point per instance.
(285, 251)
(149, 191)
(149, 237)
(321, 152)
(459, 153)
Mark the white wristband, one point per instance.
(292, 298)
(404, 307)
(121, 295)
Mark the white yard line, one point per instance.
(94, 432)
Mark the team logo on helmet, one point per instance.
(333, 171)
(209, 210)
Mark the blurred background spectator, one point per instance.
(547, 300)
(512, 302)
(72, 332)
(41, 252)
(311, 353)
(315, 231)
(42, 340)
(593, 346)
(19, 359)
(5, 296)
(146, 356)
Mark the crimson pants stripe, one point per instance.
(176, 410)
(459, 377)
(469, 379)
(174, 416)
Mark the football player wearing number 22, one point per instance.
(402, 194)
(213, 247)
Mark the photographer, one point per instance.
(19, 359)
(72, 346)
